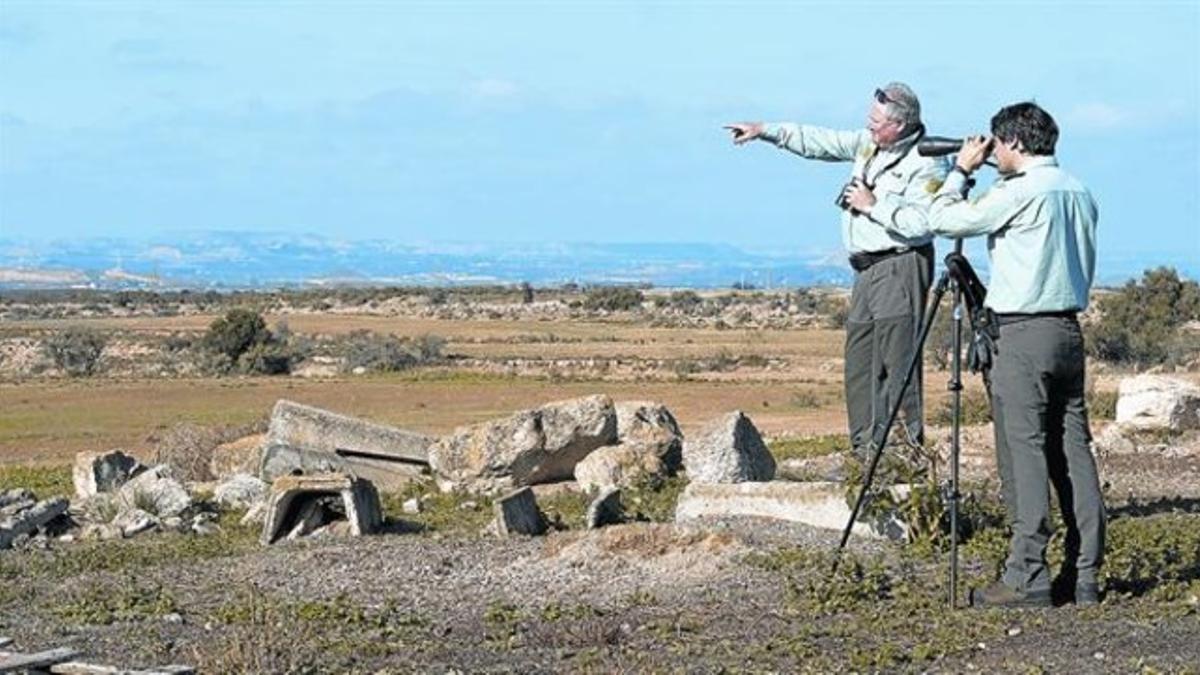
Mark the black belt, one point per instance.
(863, 261)
(1017, 317)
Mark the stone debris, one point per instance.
(527, 448)
(605, 509)
(25, 523)
(650, 425)
(819, 504)
(134, 522)
(411, 506)
(649, 445)
(243, 455)
(517, 513)
(728, 450)
(240, 491)
(300, 505)
(303, 439)
(99, 472)
(1158, 402)
(155, 491)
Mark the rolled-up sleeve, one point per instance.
(816, 142)
(907, 213)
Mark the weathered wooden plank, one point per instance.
(50, 657)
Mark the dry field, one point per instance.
(794, 387)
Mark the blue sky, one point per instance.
(595, 121)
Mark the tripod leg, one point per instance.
(880, 439)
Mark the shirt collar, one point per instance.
(902, 144)
(1039, 161)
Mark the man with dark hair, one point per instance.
(891, 186)
(1041, 228)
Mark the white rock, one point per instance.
(157, 492)
(1158, 402)
(820, 504)
(728, 450)
(240, 491)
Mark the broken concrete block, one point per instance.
(728, 450)
(285, 460)
(155, 491)
(1158, 402)
(605, 509)
(29, 520)
(290, 506)
(316, 430)
(527, 448)
(821, 505)
(240, 491)
(97, 472)
(518, 513)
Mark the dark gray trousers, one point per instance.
(1043, 439)
(887, 305)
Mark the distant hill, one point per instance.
(232, 260)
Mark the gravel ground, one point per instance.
(720, 595)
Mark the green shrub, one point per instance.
(613, 299)
(1140, 324)
(76, 351)
(235, 333)
(388, 353)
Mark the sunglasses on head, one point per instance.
(882, 97)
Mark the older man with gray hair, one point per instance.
(890, 191)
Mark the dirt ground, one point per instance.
(716, 596)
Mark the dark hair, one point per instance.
(1029, 124)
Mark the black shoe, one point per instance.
(1087, 594)
(1000, 595)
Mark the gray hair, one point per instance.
(902, 105)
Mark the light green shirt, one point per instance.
(1041, 227)
(903, 182)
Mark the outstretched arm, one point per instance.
(804, 140)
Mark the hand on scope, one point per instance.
(974, 152)
(744, 132)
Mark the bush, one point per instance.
(388, 353)
(613, 299)
(1141, 323)
(76, 351)
(241, 341)
(235, 333)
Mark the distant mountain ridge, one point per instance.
(246, 260)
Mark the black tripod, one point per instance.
(968, 291)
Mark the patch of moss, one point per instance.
(808, 447)
(43, 481)
(653, 499)
(128, 600)
(454, 512)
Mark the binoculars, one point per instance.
(937, 146)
